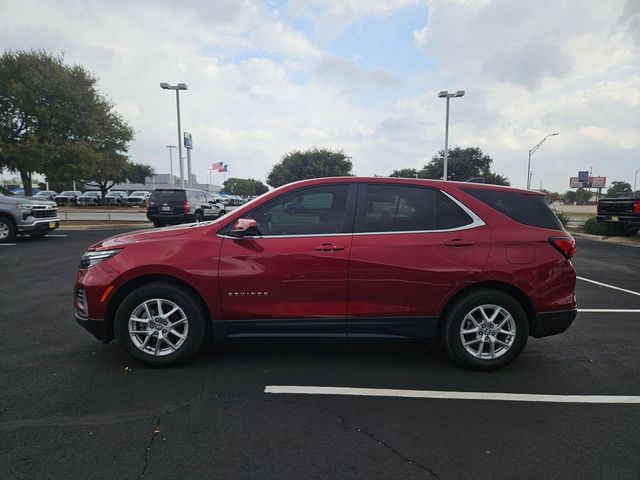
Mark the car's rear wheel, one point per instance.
(485, 329)
(160, 324)
(7, 230)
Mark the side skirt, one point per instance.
(360, 327)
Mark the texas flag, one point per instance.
(223, 168)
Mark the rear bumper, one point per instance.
(172, 219)
(625, 219)
(94, 327)
(552, 323)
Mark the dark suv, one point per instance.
(480, 267)
(172, 206)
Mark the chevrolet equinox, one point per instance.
(479, 267)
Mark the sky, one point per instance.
(268, 77)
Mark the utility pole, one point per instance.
(447, 95)
(531, 152)
(177, 88)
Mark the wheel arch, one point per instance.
(507, 288)
(132, 284)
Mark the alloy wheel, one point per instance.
(158, 327)
(487, 332)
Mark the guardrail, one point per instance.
(105, 216)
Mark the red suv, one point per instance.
(479, 266)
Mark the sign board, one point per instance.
(574, 182)
(598, 182)
(583, 176)
(188, 140)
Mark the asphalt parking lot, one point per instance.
(71, 407)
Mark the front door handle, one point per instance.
(329, 247)
(458, 242)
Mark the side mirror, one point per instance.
(244, 227)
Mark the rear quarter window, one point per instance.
(524, 208)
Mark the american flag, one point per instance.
(217, 165)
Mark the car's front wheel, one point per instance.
(485, 329)
(7, 230)
(160, 324)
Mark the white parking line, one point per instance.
(7, 244)
(609, 310)
(608, 286)
(444, 395)
(55, 235)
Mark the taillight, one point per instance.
(187, 206)
(636, 206)
(146, 205)
(598, 208)
(566, 246)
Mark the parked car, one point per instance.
(46, 195)
(89, 199)
(623, 213)
(172, 206)
(216, 203)
(138, 198)
(34, 217)
(115, 197)
(68, 197)
(481, 267)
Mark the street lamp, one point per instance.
(177, 88)
(447, 95)
(171, 147)
(531, 152)
(635, 181)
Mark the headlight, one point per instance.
(90, 259)
(22, 206)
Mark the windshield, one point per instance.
(168, 196)
(67, 193)
(91, 194)
(138, 194)
(4, 191)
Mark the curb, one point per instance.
(627, 241)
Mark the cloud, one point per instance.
(345, 73)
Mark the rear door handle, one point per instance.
(329, 247)
(458, 242)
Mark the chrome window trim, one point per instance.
(476, 222)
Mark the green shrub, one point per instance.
(596, 228)
(563, 218)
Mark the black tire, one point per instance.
(455, 315)
(158, 224)
(195, 318)
(8, 230)
(198, 218)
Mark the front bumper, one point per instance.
(40, 225)
(552, 323)
(96, 328)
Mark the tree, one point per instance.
(407, 173)
(246, 187)
(313, 163)
(462, 164)
(52, 118)
(582, 196)
(569, 196)
(139, 172)
(619, 188)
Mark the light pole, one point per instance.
(635, 181)
(447, 95)
(171, 147)
(177, 88)
(531, 152)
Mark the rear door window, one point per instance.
(524, 208)
(450, 215)
(396, 208)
